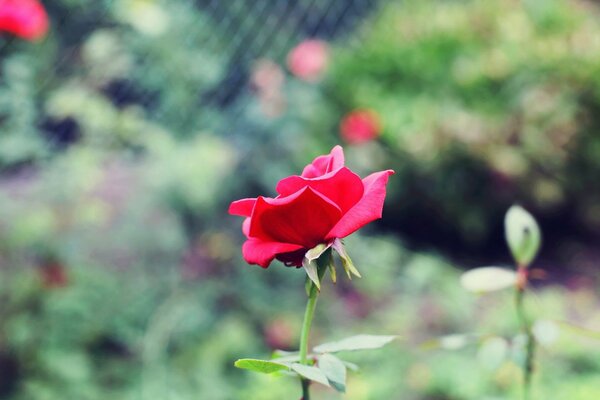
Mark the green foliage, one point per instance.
(328, 369)
(140, 70)
(117, 332)
(482, 102)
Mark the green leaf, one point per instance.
(450, 342)
(358, 342)
(347, 263)
(262, 366)
(351, 366)
(546, 332)
(316, 251)
(335, 370)
(493, 352)
(579, 330)
(522, 235)
(311, 270)
(311, 373)
(282, 356)
(488, 279)
(283, 353)
(332, 272)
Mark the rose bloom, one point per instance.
(308, 60)
(24, 18)
(327, 202)
(360, 126)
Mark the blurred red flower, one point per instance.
(308, 60)
(327, 202)
(24, 18)
(360, 126)
(53, 275)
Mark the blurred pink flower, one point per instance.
(308, 59)
(279, 334)
(360, 126)
(24, 18)
(267, 79)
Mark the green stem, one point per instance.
(305, 392)
(308, 317)
(526, 328)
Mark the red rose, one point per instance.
(327, 202)
(360, 126)
(308, 60)
(23, 18)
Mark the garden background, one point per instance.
(128, 129)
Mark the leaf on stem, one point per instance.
(358, 342)
(347, 263)
(262, 366)
(335, 370)
(311, 267)
(316, 251)
(488, 279)
(311, 373)
(282, 356)
(351, 366)
(331, 267)
(493, 352)
(545, 332)
(283, 353)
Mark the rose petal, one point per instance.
(242, 207)
(256, 251)
(292, 258)
(246, 226)
(324, 164)
(368, 209)
(343, 187)
(303, 218)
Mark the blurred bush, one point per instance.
(108, 75)
(482, 103)
(147, 332)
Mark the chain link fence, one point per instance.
(181, 65)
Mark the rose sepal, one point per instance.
(316, 261)
(347, 263)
